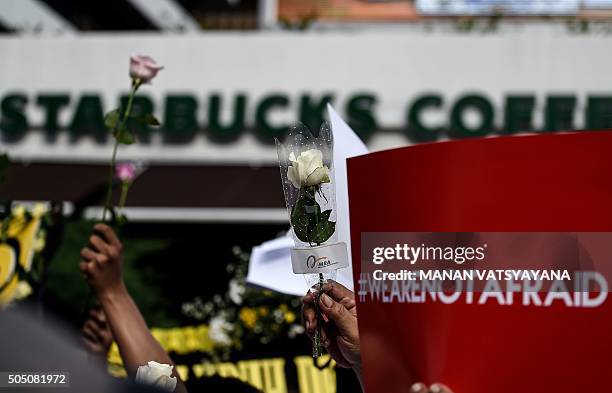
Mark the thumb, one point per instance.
(439, 388)
(338, 314)
(418, 388)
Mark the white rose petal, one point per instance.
(236, 291)
(318, 176)
(158, 375)
(293, 176)
(308, 162)
(22, 290)
(218, 329)
(295, 330)
(39, 209)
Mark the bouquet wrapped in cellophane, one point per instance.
(306, 173)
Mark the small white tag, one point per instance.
(320, 259)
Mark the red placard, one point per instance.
(548, 183)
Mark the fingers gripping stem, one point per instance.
(316, 342)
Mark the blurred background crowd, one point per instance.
(237, 74)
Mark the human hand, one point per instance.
(102, 261)
(435, 388)
(340, 334)
(96, 333)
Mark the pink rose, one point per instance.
(143, 68)
(126, 171)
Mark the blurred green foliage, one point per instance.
(69, 294)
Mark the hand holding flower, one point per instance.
(102, 266)
(103, 261)
(340, 335)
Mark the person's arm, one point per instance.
(102, 267)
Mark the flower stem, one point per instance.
(111, 168)
(316, 342)
(109, 190)
(128, 108)
(125, 186)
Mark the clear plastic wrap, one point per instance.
(307, 178)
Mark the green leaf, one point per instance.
(300, 220)
(304, 215)
(124, 136)
(121, 220)
(147, 119)
(300, 227)
(322, 231)
(111, 119)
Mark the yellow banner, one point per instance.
(17, 250)
(268, 375)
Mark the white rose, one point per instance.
(236, 291)
(218, 329)
(39, 209)
(295, 330)
(158, 375)
(22, 290)
(18, 211)
(307, 169)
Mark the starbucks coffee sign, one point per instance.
(224, 97)
(181, 121)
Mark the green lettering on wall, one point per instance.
(599, 112)
(416, 130)
(13, 121)
(312, 113)
(262, 123)
(88, 118)
(518, 114)
(233, 127)
(51, 105)
(360, 113)
(559, 113)
(180, 118)
(479, 103)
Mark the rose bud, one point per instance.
(143, 68)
